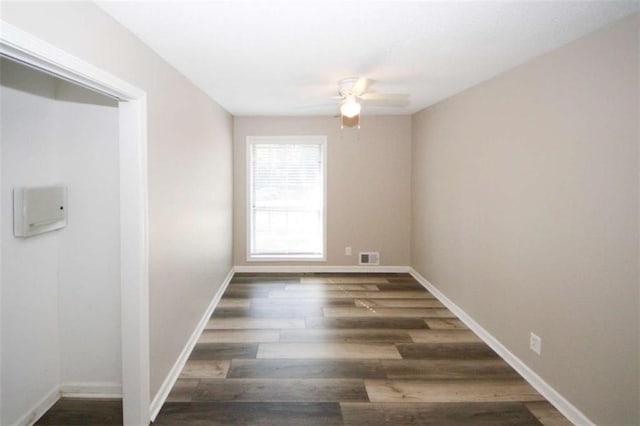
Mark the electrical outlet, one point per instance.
(347, 251)
(535, 343)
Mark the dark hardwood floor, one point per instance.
(78, 412)
(339, 349)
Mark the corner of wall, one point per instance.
(546, 390)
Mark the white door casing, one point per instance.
(23, 47)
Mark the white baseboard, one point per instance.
(41, 407)
(174, 373)
(322, 268)
(93, 390)
(554, 397)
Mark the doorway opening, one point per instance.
(128, 251)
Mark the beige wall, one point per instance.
(525, 214)
(368, 184)
(190, 160)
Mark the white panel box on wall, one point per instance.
(39, 210)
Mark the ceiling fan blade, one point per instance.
(373, 96)
(385, 99)
(317, 106)
(361, 86)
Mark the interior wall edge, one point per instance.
(526, 214)
(27, 47)
(171, 378)
(366, 173)
(39, 408)
(553, 396)
(189, 168)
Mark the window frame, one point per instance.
(320, 140)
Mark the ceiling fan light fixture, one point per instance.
(350, 107)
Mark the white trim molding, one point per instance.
(553, 396)
(24, 47)
(174, 373)
(36, 53)
(94, 390)
(321, 269)
(34, 413)
(91, 390)
(321, 141)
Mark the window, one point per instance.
(286, 197)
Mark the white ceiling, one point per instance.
(283, 57)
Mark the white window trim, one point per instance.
(298, 140)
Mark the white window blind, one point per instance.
(286, 209)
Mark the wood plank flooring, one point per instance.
(335, 349)
(72, 412)
(345, 349)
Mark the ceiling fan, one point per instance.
(354, 93)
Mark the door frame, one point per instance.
(23, 47)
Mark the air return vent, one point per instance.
(369, 258)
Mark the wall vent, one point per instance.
(369, 258)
